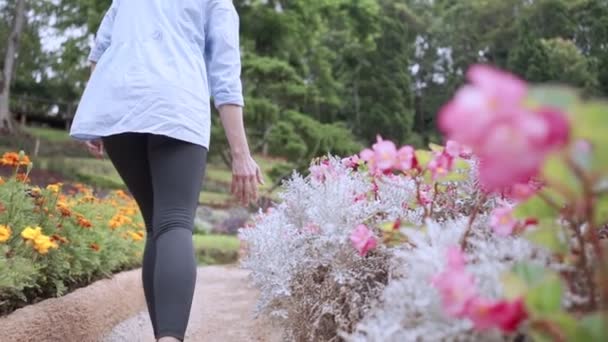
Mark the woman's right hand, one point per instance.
(246, 176)
(95, 147)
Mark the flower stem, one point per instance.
(467, 233)
(584, 264)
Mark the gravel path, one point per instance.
(222, 310)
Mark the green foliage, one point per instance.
(216, 249)
(81, 238)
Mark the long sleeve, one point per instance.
(103, 37)
(222, 54)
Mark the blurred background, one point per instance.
(320, 76)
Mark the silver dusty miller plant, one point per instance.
(312, 279)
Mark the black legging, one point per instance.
(164, 175)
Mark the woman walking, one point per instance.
(156, 64)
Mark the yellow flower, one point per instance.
(135, 236)
(119, 220)
(43, 243)
(5, 232)
(54, 187)
(30, 233)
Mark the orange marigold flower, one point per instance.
(59, 238)
(5, 232)
(83, 222)
(35, 192)
(64, 209)
(25, 161)
(22, 177)
(95, 247)
(10, 159)
(87, 199)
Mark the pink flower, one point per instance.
(406, 158)
(521, 191)
(510, 140)
(492, 92)
(509, 153)
(424, 195)
(322, 171)
(381, 157)
(317, 172)
(455, 285)
(502, 221)
(441, 164)
(351, 162)
(503, 314)
(453, 148)
(558, 133)
(360, 197)
(363, 239)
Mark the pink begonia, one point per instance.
(363, 239)
(505, 315)
(351, 162)
(360, 197)
(441, 164)
(323, 171)
(522, 191)
(406, 158)
(455, 285)
(460, 298)
(424, 195)
(382, 155)
(502, 220)
(510, 141)
(317, 172)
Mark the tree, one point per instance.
(10, 60)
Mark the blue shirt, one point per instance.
(158, 64)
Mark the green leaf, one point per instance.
(601, 210)
(535, 207)
(592, 328)
(513, 285)
(546, 297)
(560, 97)
(531, 274)
(423, 157)
(547, 235)
(556, 171)
(591, 123)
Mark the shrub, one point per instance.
(493, 241)
(51, 243)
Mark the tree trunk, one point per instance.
(10, 59)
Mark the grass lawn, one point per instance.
(216, 249)
(51, 134)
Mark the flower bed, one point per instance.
(51, 242)
(494, 241)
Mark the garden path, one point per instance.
(222, 311)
